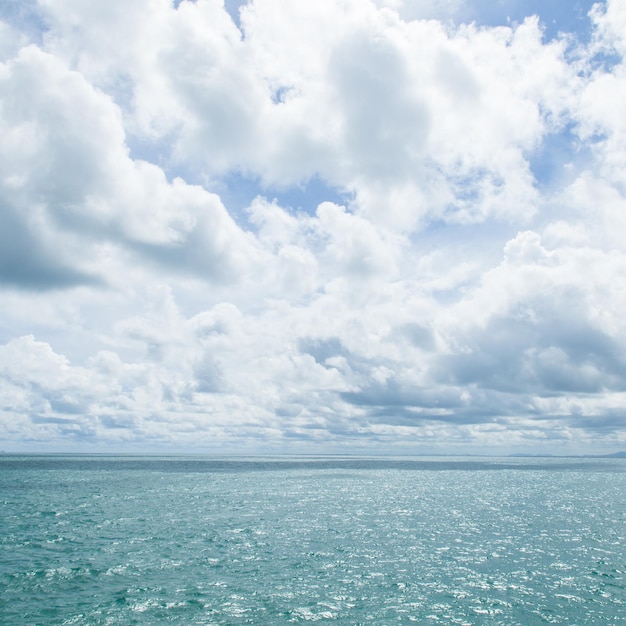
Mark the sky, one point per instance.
(331, 227)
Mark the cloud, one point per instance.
(69, 182)
(26, 262)
(538, 321)
(412, 118)
(448, 280)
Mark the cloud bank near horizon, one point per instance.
(367, 225)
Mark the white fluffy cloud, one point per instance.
(455, 284)
(67, 178)
(411, 117)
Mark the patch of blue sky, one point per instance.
(556, 16)
(279, 95)
(469, 187)
(25, 16)
(238, 190)
(605, 60)
(159, 152)
(481, 241)
(307, 196)
(232, 7)
(558, 159)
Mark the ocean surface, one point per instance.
(193, 540)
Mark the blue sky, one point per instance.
(371, 226)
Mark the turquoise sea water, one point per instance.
(189, 540)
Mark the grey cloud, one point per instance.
(28, 263)
(609, 421)
(291, 410)
(553, 348)
(605, 421)
(117, 421)
(404, 416)
(418, 410)
(66, 406)
(396, 403)
(395, 394)
(208, 376)
(196, 255)
(418, 335)
(45, 419)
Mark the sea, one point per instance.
(289, 540)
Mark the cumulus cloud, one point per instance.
(452, 282)
(67, 178)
